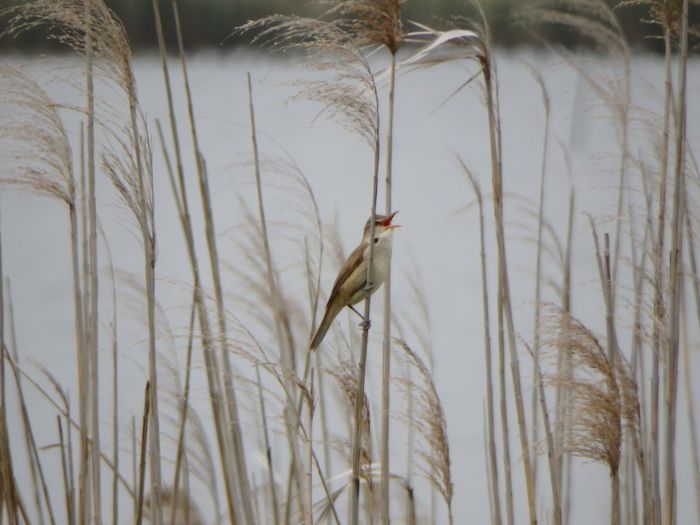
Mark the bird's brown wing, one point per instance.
(332, 307)
(349, 267)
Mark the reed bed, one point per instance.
(240, 422)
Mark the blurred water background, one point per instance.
(437, 245)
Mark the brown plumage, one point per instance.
(349, 287)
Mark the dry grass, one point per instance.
(602, 395)
(262, 389)
(39, 154)
(431, 425)
(349, 94)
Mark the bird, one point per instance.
(349, 287)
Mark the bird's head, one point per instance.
(382, 225)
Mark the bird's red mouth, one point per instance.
(387, 221)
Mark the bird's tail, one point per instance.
(328, 317)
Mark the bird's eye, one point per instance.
(376, 240)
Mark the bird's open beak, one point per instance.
(387, 221)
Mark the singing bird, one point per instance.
(349, 287)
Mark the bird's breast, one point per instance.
(381, 261)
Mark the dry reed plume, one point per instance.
(39, 155)
(602, 395)
(431, 425)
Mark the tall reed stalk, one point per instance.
(9, 490)
(632, 440)
(606, 277)
(142, 198)
(220, 416)
(659, 308)
(660, 305)
(492, 458)
(70, 516)
(276, 300)
(564, 369)
(676, 279)
(687, 368)
(142, 462)
(538, 269)
(386, 346)
(504, 303)
(88, 359)
(362, 363)
(554, 471)
(237, 444)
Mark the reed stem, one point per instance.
(386, 346)
(676, 281)
(505, 301)
(85, 361)
(362, 363)
(142, 462)
(237, 447)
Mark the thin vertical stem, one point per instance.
(609, 314)
(624, 121)
(134, 468)
(268, 451)
(505, 303)
(659, 309)
(492, 462)
(115, 400)
(237, 444)
(362, 364)
(184, 408)
(612, 356)
(309, 453)
(81, 335)
(30, 441)
(386, 346)
(563, 459)
(148, 236)
(30, 444)
(505, 433)
(615, 497)
(8, 483)
(676, 272)
(70, 516)
(142, 462)
(687, 366)
(90, 352)
(551, 451)
(538, 272)
(291, 421)
(221, 420)
(634, 451)
(692, 422)
(71, 474)
(314, 293)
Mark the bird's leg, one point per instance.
(355, 310)
(365, 323)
